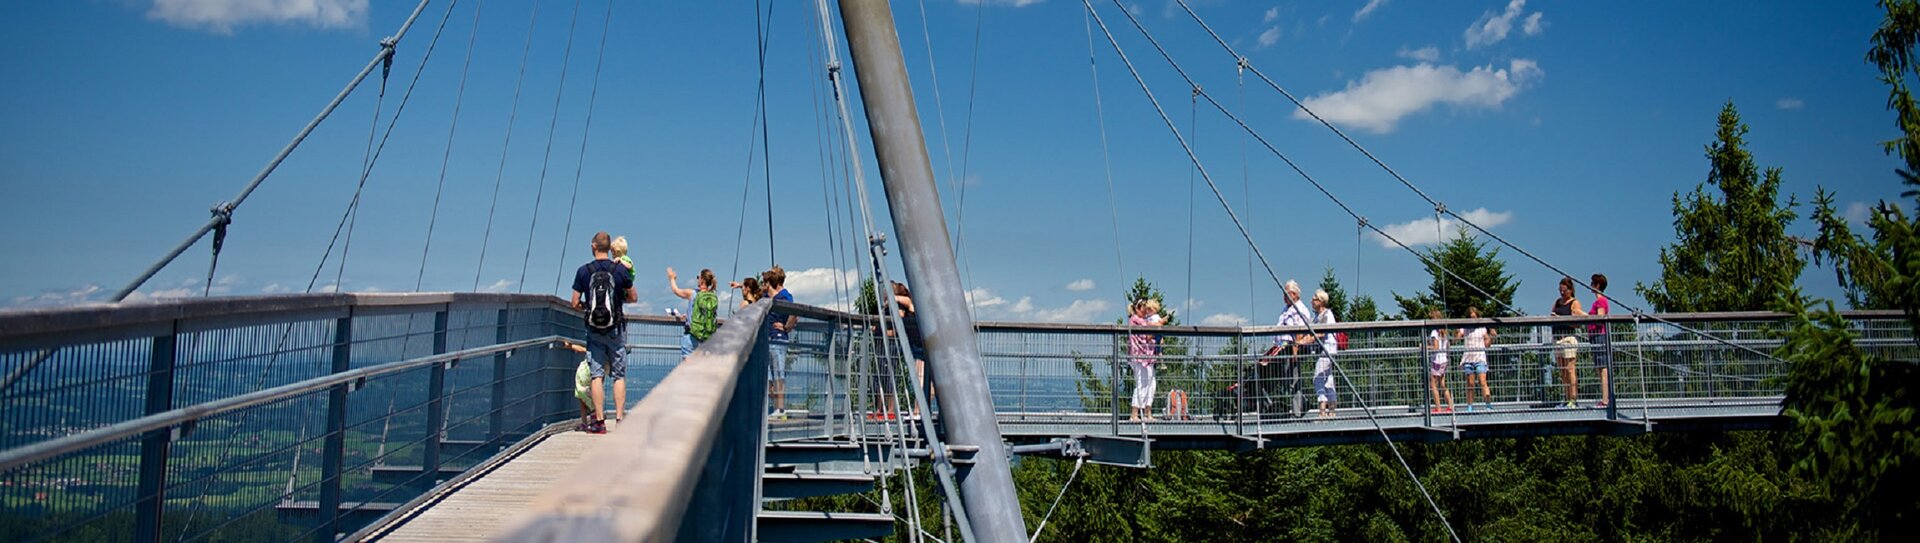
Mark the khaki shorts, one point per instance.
(1572, 346)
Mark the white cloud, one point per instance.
(1858, 213)
(1272, 13)
(221, 16)
(274, 288)
(1368, 9)
(1789, 103)
(1082, 311)
(1423, 54)
(1081, 285)
(1135, 9)
(1025, 305)
(503, 284)
(1270, 36)
(1379, 100)
(1013, 3)
(1423, 231)
(1224, 319)
(497, 286)
(1491, 28)
(163, 294)
(58, 298)
(811, 285)
(983, 298)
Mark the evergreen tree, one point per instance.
(1336, 295)
(1733, 252)
(1364, 310)
(1854, 415)
(1487, 285)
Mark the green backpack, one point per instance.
(706, 315)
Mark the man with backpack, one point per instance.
(600, 289)
(703, 309)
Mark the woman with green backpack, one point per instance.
(703, 309)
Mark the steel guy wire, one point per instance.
(546, 157)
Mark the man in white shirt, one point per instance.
(1288, 376)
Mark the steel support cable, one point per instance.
(1430, 200)
(1106, 157)
(1193, 132)
(943, 467)
(939, 107)
(1283, 158)
(1171, 127)
(966, 150)
(546, 158)
(593, 98)
(351, 217)
(1246, 197)
(759, 116)
(513, 114)
(368, 160)
(1143, 86)
(746, 188)
(223, 211)
(766, 140)
(1077, 463)
(446, 156)
(821, 142)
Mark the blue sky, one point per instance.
(1566, 126)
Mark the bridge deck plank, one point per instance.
(476, 511)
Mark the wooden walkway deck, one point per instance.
(481, 508)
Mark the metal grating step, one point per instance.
(812, 526)
(808, 485)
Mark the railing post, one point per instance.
(1613, 402)
(1113, 383)
(496, 417)
(334, 453)
(1426, 413)
(436, 390)
(155, 446)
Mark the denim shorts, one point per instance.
(606, 355)
(777, 362)
(1471, 368)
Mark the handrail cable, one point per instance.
(546, 157)
(593, 97)
(1203, 173)
(513, 114)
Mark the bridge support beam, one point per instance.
(333, 455)
(154, 447)
(966, 405)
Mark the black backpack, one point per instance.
(600, 315)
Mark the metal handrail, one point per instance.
(640, 482)
(182, 417)
(1535, 320)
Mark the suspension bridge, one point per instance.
(443, 416)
